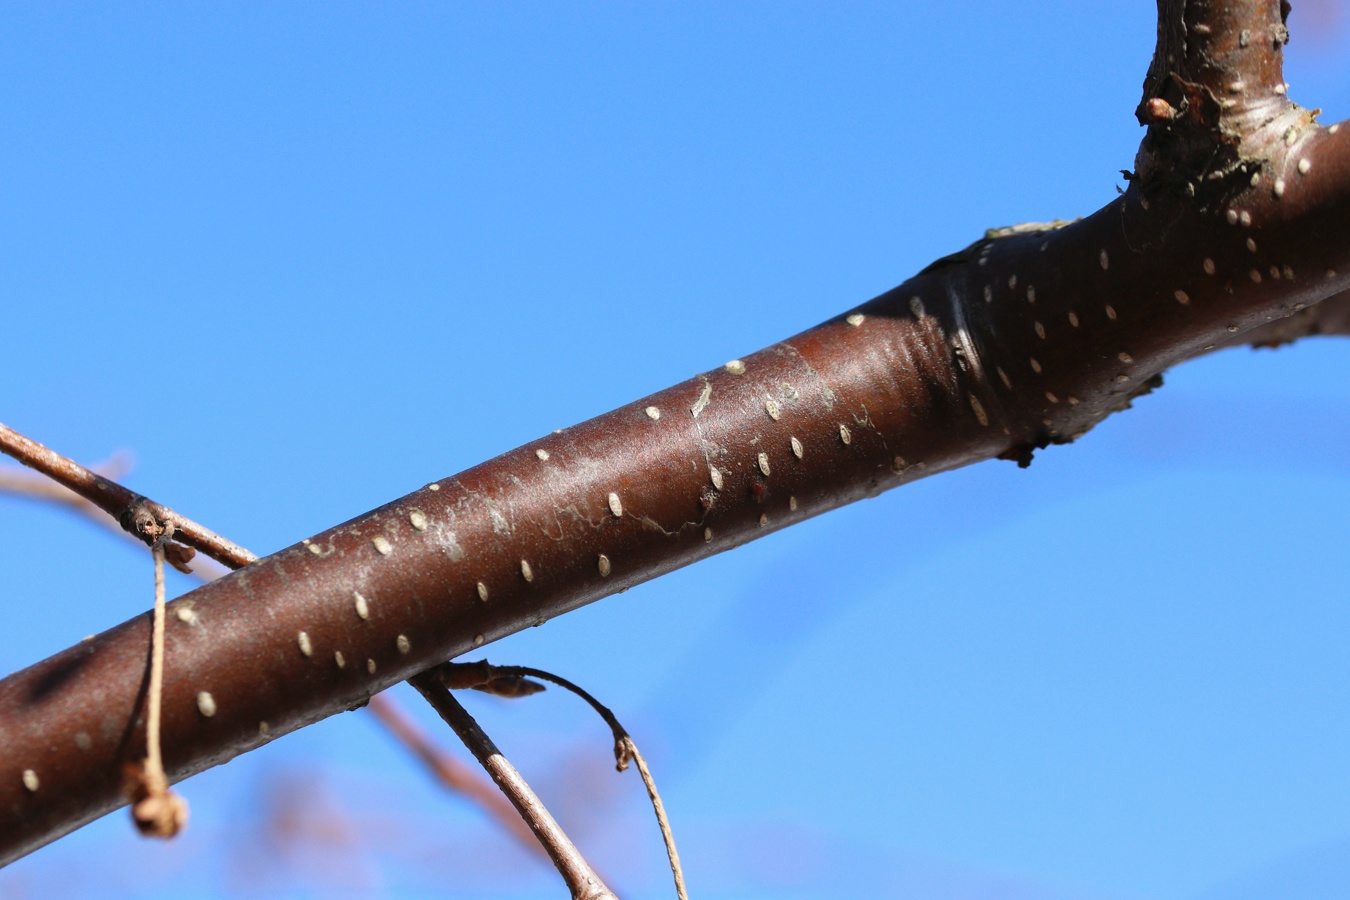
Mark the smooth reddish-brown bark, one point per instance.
(1237, 217)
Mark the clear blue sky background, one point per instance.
(303, 258)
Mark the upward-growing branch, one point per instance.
(1238, 214)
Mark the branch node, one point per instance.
(138, 520)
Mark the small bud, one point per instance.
(1159, 111)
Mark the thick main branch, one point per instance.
(1027, 337)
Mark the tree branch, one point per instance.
(57, 484)
(451, 772)
(1238, 215)
(581, 879)
(140, 517)
(514, 681)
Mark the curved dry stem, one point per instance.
(667, 834)
(156, 810)
(154, 762)
(484, 676)
(581, 879)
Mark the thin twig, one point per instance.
(667, 835)
(156, 810)
(17, 482)
(22, 482)
(154, 763)
(581, 879)
(451, 772)
(139, 515)
(511, 681)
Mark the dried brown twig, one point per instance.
(34, 485)
(582, 880)
(156, 810)
(513, 681)
(138, 516)
(451, 772)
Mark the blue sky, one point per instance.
(301, 259)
